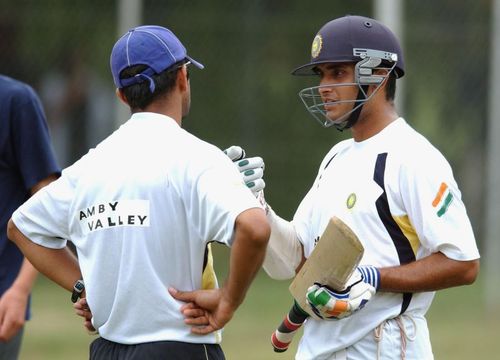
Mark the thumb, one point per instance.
(235, 153)
(186, 296)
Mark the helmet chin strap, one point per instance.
(353, 118)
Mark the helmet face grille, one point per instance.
(316, 106)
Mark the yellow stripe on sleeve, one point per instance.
(408, 231)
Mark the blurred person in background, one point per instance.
(27, 163)
(141, 209)
(393, 188)
(78, 105)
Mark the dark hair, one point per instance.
(138, 95)
(390, 87)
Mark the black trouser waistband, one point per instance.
(102, 349)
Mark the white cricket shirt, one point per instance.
(141, 208)
(398, 194)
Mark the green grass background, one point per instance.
(459, 325)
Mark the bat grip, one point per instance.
(283, 335)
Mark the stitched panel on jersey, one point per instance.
(328, 163)
(409, 232)
(401, 242)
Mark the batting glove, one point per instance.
(329, 304)
(251, 169)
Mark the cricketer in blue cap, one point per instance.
(141, 209)
(154, 46)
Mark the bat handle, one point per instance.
(283, 335)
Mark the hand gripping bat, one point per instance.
(332, 262)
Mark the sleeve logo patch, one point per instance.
(443, 199)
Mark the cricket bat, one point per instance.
(332, 262)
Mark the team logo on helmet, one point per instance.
(351, 201)
(316, 46)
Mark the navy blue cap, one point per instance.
(154, 46)
(336, 40)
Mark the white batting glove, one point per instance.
(251, 169)
(334, 305)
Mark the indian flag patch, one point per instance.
(443, 199)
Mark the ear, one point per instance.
(121, 96)
(182, 78)
(381, 72)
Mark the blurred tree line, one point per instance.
(246, 94)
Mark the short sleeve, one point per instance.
(434, 205)
(44, 217)
(30, 138)
(219, 195)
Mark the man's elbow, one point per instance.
(12, 231)
(470, 273)
(255, 227)
(261, 231)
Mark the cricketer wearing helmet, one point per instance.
(393, 188)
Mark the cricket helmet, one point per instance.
(339, 39)
(363, 41)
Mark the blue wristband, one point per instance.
(371, 275)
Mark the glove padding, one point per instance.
(251, 169)
(329, 304)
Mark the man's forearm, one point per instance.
(247, 255)
(59, 265)
(434, 272)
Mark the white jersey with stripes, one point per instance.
(398, 194)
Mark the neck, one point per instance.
(373, 120)
(167, 111)
(170, 107)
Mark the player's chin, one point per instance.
(336, 113)
(333, 111)
(333, 115)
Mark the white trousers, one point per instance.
(405, 337)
